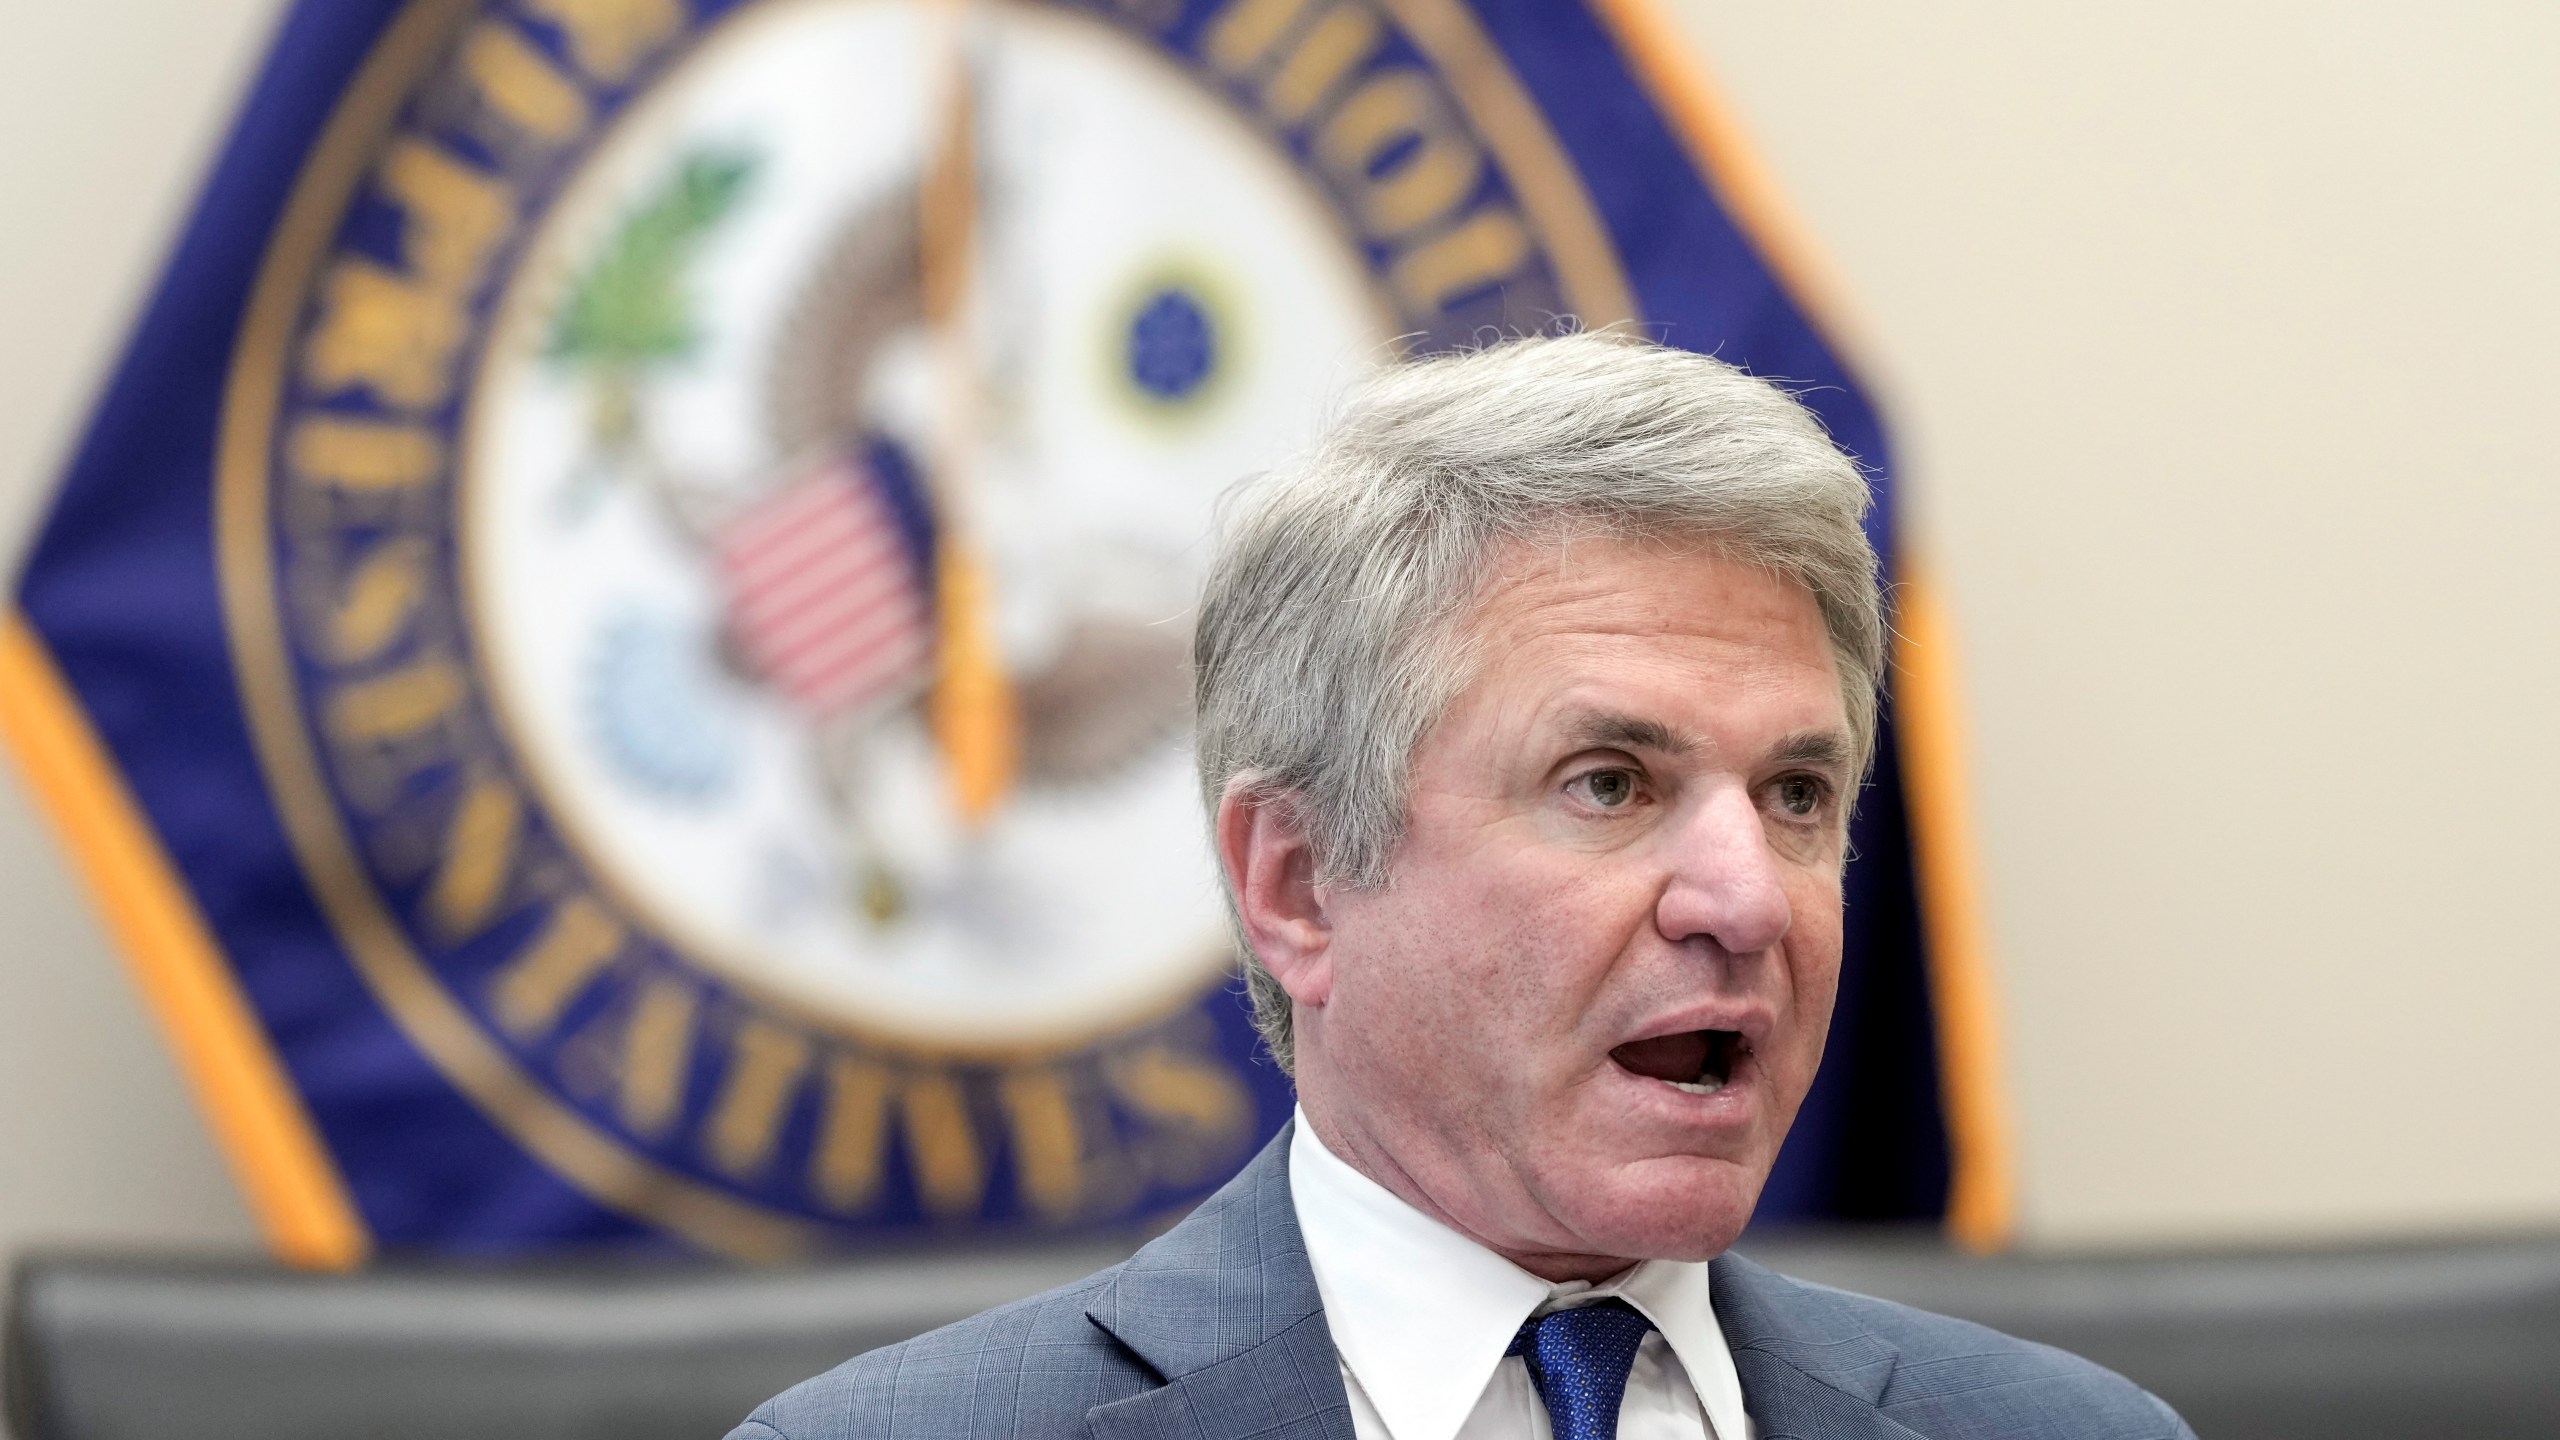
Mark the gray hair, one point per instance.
(1331, 634)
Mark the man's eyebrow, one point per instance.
(1627, 732)
(1821, 749)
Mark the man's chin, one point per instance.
(1680, 1207)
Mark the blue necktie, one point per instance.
(1579, 1361)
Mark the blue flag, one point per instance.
(606, 648)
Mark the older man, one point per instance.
(1531, 708)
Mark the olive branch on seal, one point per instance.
(630, 312)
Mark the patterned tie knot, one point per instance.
(1579, 1359)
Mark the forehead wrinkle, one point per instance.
(1529, 592)
(1562, 611)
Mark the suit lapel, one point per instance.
(1809, 1371)
(1224, 1307)
(1287, 1388)
(1789, 1404)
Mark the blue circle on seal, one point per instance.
(1172, 346)
(653, 711)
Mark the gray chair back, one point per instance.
(103, 1348)
(2448, 1340)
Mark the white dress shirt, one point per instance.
(1421, 1314)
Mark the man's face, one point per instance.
(1580, 1016)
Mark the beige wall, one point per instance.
(2218, 340)
(109, 109)
(2222, 340)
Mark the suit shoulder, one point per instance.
(1956, 1378)
(1032, 1368)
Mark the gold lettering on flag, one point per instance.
(535, 987)
(378, 601)
(455, 215)
(363, 455)
(1046, 1141)
(657, 1053)
(1392, 111)
(479, 855)
(389, 332)
(853, 1134)
(610, 38)
(1245, 33)
(1479, 250)
(399, 704)
(1334, 47)
(1196, 1113)
(765, 1066)
(520, 85)
(950, 1177)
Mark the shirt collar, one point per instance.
(1421, 1315)
(1673, 1294)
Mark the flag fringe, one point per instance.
(258, 1120)
(1982, 1199)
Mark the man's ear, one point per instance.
(1271, 870)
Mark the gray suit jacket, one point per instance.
(1215, 1332)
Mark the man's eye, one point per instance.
(1608, 789)
(1800, 795)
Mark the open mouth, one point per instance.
(1699, 1062)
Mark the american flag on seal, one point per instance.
(827, 598)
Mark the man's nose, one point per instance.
(1725, 884)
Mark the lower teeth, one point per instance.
(1708, 1086)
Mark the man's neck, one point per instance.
(1352, 1143)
